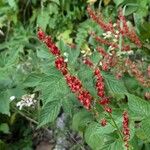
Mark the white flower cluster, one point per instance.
(26, 101)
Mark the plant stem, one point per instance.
(119, 132)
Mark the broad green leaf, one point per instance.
(118, 2)
(32, 80)
(12, 4)
(95, 135)
(138, 106)
(49, 112)
(115, 87)
(43, 19)
(4, 128)
(143, 131)
(81, 120)
(52, 87)
(67, 105)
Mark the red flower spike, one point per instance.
(126, 130)
(60, 63)
(85, 98)
(104, 101)
(108, 109)
(74, 83)
(103, 122)
(88, 62)
(41, 34)
(101, 93)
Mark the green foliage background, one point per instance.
(27, 67)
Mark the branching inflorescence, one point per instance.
(115, 37)
(73, 82)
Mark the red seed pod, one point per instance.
(103, 122)
(41, 34)
(104, 101)
(85, 98)
(96, 72)
(108, 109)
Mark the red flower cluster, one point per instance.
(125, 31)
(99, 20)
(137, 73)
(61, 65)
(88, 62)
(103, 122)
(48, 41)
(108, 60)
(85, 98)
(73, 82)
(126, 130)
(101, 92)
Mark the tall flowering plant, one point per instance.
(114, 46)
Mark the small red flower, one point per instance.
(85, 98)
(104, 101)
(41, 34)
(74, 83)
(103, 122)
(108, 109)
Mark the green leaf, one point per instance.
(67, 106)
(12, 4)
(32, 80)
(49, 112)
(94, 135)
(115, 87)
(118, 2)
(52, 87)
(138, 106)
(81, 120)
(4, 103)
(143, 132)
(43, 19)
(4, 128)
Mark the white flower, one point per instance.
(108, 34)
(26, 101)
(66, 54)
(130, 52)
(12, 98)
(114, 25)
(66, 60)
(111, 48)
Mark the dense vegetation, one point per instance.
(94, 68)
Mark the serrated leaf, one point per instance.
(80, 120)
(138, 106)
(94, 135)
(52, 87)
(32, 80)
(115, 87)
(49, 112)
(67, 106)
(145, 127)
